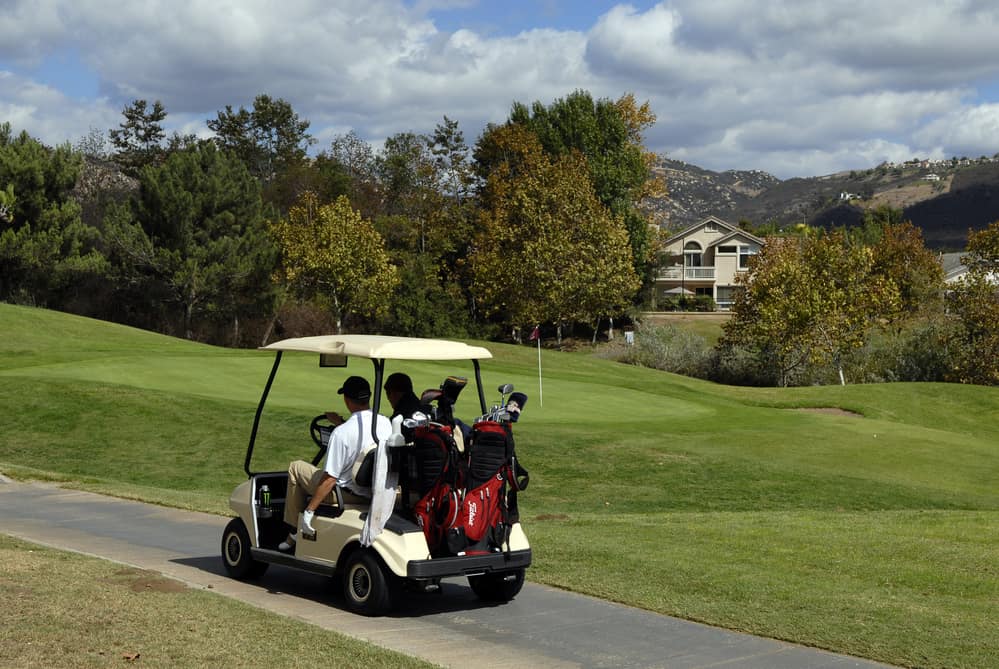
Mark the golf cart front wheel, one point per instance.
(366, 587)
(499, 586)
(236, 552)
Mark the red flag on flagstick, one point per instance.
(535, 334)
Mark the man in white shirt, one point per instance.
(346, 443)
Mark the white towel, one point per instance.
(383, 486)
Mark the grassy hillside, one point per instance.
(872, 534)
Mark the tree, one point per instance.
(548, 250)
(195, 238)
(93, 145)
(771, 317)
(609, 135)
(423, 305)
(138, 139)
(982, 255)
(455, 175)
(807, 301)
(269, 138)
(47, 252)
(405, 171)
(328, 251)
(354, 159)
(454, 179)
(901, 257)
(975, 301)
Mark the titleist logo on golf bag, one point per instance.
(472, 508)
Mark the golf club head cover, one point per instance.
(515, 404)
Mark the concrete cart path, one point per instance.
(542, 627)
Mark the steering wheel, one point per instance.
(320, 429)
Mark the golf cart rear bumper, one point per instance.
(464, 565)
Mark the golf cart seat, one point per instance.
(363, 473)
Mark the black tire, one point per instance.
(366, 586)
(499, 586)
(236, 552)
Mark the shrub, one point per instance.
(920, 351)
(670, 349)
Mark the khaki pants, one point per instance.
(304, 479)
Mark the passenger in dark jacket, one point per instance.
(399, 390)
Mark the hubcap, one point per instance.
(234, 548)
(360, 583)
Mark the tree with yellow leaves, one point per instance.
(329, 252)
(547, 250)
(808, 301)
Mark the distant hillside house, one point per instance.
(955, 270)
(704, 259)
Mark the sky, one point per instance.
(795, 88)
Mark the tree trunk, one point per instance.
(596, 329)
(272, 321)
(188, 317)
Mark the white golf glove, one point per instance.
(307, 521)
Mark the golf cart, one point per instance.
(442, 506)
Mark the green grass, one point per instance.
(874, 535)
(66, 610)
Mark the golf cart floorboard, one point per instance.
(288, 560)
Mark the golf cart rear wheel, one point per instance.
(366, 587)
(497, 587)
(236, 552)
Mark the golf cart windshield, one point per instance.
(335, 349)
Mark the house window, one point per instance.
(727, 250)
(692, 254)
(710, 227)
(726, 296)
(703, 290)
(744, 253)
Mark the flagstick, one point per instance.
(541, 392)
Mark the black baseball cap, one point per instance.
(356, 388)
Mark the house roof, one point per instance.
(738, 233)
(952, 265)
(717, 221)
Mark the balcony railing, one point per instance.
(687, 273)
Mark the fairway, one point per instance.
(872, 533)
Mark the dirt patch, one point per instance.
(832, 411)
(552, 516)
(157, 584)
(147, 581)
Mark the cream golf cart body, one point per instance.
(399, 555)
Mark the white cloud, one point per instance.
(48, 114)
(966, 131)
(795, 88)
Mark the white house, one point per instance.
(955, 270)
(705, 259)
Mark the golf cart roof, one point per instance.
(382, 348)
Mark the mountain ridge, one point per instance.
(943, 198)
